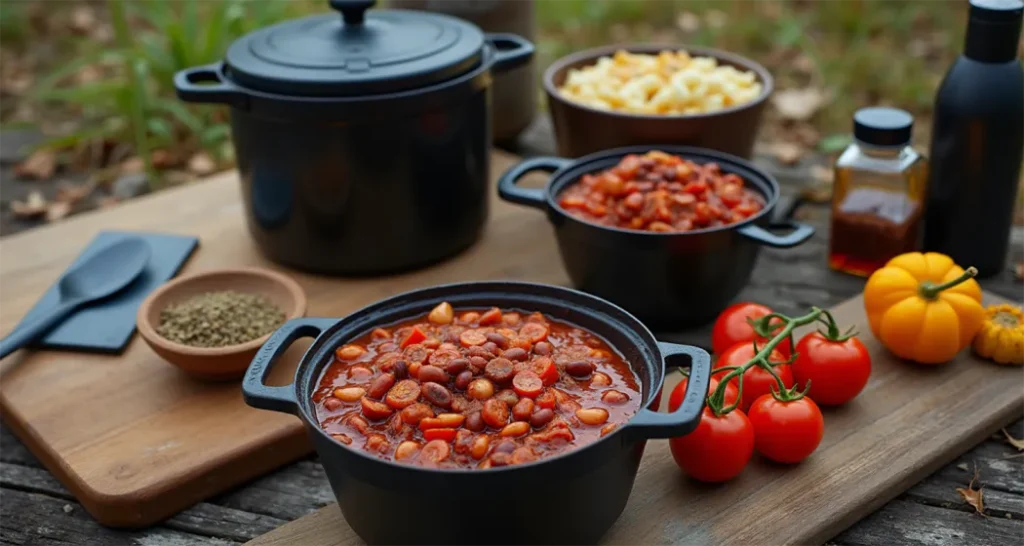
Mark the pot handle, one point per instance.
(510, 51)
(653, 424)
(281, 399)
(217, 89)
(531, 197)
(801, 232)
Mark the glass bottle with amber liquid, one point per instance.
(877, 194)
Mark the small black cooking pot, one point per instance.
(567, 499)
(362, 141)
(668, 280)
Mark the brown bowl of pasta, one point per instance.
(628, 95)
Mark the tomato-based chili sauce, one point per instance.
(475, 388)
(661, 193)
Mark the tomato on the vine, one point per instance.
(731, 327)
(838, 368)
(718, 449)
(756, 380)
(676, 398)
(786, 431)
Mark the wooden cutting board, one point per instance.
(909, 421)
(136, 440)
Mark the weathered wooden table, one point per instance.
(36, 509)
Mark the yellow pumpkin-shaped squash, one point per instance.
(1001, 338)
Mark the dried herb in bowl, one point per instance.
(219, 319)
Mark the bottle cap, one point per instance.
(883, 126)
(997, 11)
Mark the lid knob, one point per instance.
(352, 11)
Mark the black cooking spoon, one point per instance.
(101, 275)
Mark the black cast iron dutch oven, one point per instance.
(668, 280)
(362, 140)
(567, 499)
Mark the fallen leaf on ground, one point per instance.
(787, 153)
(688, 22)
(798, 104)
(962, 466)
(40, 165)
(972, 496)
(1015, 442)
(34, 205)
(56, 211)
(83, 19)
(822, 174)
(201, 164)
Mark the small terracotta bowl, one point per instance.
(218, 363)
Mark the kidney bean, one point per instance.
(614, 397)
(541, 417)
(349, 393)
(499, 370)
(406, 450)
(380, 386)
(457, 365)
(378, 443)
(430, 373)
(497, 339)
(437, 395)
(405, 393)
(478, 363)
(480, 445)
(495, 413)
(415, 413)
(491, 348)
(463, 379)
(358, 423)
(516, 429)
(435, 451)
(543, 348)
(607, 429)
(600, 380)
(480, 389)
(375, 410)
(442, 314)
(349, 352)
(500, 459)
(523, 409)
(463, 441)
(508, 396)
(523, 455)
(332, 404)
(515, 353)
(592, 416)
(475, 422)
(443, 420)
(579, 369)
(400, 369)
(359, 374)
(505, 446)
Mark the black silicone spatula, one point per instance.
(101, 276)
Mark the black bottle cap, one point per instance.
(997, 11)
(882, 126)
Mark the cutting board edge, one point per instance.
(155, 502)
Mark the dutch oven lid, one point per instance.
(356, 53)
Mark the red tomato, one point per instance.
(837, 370)
(786, 432)
(718, 449)
(676, 398)
(731, 327)
(756, 381)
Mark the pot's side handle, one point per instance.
(652, 424)
(800, 233)
(281, 399)
(510, 51)
(531, 197)
(205, 84)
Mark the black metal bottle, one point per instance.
(978, 142)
